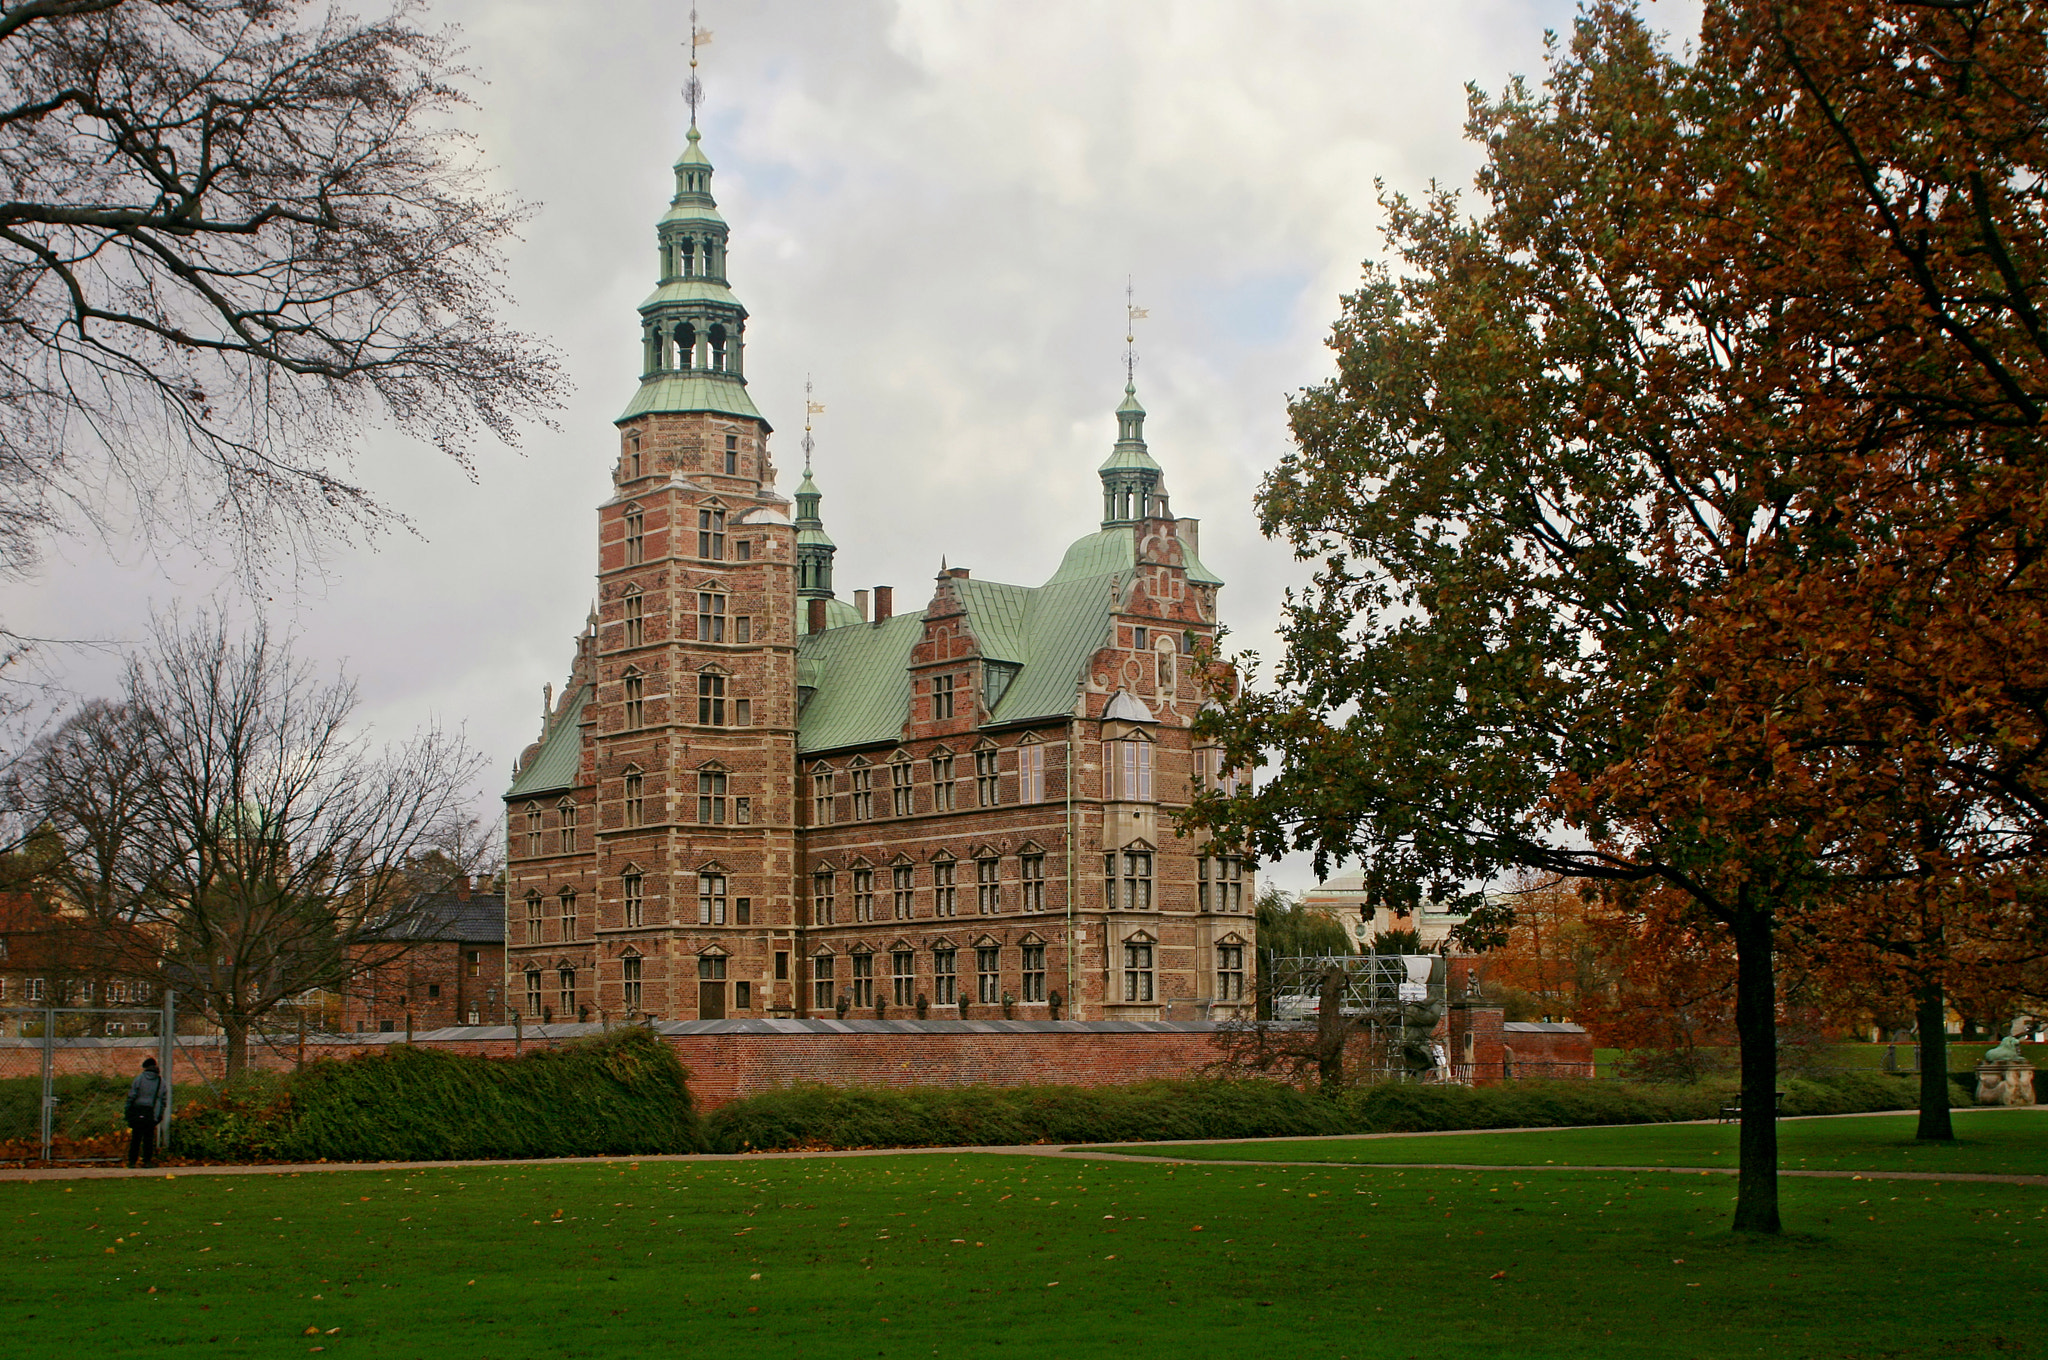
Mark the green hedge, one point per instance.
(836, 1117)
(622, 1094)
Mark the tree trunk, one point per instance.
(1756, 1027)
(1931, 1011)
(1330, 1034)
(234, 1030)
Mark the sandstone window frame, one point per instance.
(1140, 974)
(712, 600)
(822, 967)
(901, 785)
(988, 883)
(1127, 878)
(1230, 969)
(1031, 878)
(1031, 977)
(945, 974)
(860, 982)
(824, 785)
(942, 697)
(1219, 883)
(565, 985)
(635, 541)
(534, 929)
(633, 698)
(567, 817)
(1030, 771)
(988, 774)
(1127, 767)
(567, 898)
(535, 822)
(632, 897)
(988, 973)
(861, 776)
(711, 696)
(903, 974)
(633, 797)
(713, 802)
(863, 876)
(533, 1001)
(632, 616)
(824, 894)
(903, 889)
(630, 981)
(945, 892)
(711, 532)
(713, 884)
(942, 780)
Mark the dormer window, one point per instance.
(942, 697)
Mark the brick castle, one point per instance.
(754, 798)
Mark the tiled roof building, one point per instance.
(753, 798)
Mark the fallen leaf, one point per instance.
(1498, 1275)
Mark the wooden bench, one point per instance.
(1733, 1113)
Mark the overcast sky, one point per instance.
(934, 208)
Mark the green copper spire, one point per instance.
(692, 328)
(1132, 484)
(814, 547)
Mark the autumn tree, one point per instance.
(1574, 445)
(264, 847)
(1550, 964)
(234, 232)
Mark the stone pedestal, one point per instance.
(2005, 1083)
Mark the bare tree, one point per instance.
(265, 847)
(232, 231)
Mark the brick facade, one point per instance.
(716, 823)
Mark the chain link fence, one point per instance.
(64, 1077)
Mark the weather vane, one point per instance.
(1133, 314)
(693, 88)
(811, 408)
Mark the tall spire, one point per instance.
(692, 328)
(1133, 488)
(814, 547)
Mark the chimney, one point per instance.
(885, 602)
(957, 573)
(816, 623)
(462, 887)
(860, 604)
(1189, 531)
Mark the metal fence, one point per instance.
(64, 1076)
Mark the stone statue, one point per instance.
(2003, 1076)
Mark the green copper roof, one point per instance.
(720, 394)
(838, 613)
(693, 153)
(1116, 550)
(692, 212)
(690, 290)
(862, 690)
(555, 766)
(1129, 456)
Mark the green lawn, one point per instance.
(980, 1255)
(1993, 1141)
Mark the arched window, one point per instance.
(686, 346)
(717, 335)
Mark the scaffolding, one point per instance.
(1394, 1001)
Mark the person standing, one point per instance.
(147, 1097)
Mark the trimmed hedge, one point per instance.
(808, 1116)
(620, 1094)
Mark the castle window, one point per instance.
(1210, 774)
(863, 894)
(710, 699)
(824, 886)
(1031, 870)
(717, 335)
(711, 534)
(711, 806)
(710, 616)
(821, 982)
(1137, 880)
(988, 886)
(942, 782)
(567, 809)
(743, 627)
(903, 983)
(633, 465)
(986, 768)
(1031, 773)
(1139, 637)
(1219, 883)
(743, 911)
(902, 882)
(1230, 972)
(732, 455)
(565, 983)
(631, 893)
(945, 981)
(944, 903)
(988, 981)
(533, 918)
(899, 787)
(636, 536)
(743, 811)
(1128, 767)
(710, 899)
(533, 991)
(1137, 972)
(533, 828)
(863, 793)
(629, 973)
(636, 704)
(863, 979)
(711, 967)
(686, 346)
(1034, 972)
(821, 798)
(942, 697)
(568, 900)
(636, 798)
(686, 256)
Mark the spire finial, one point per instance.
(1133, 314)
(811, 408)
(693, 88)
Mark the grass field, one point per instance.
(975, 1255)
(1999, 1142)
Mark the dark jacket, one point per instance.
(147, 1093)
